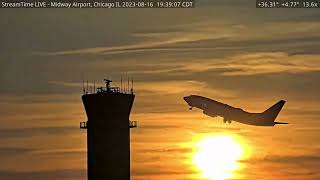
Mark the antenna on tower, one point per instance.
(83, 88)
(131, 85)
(121, 88)
(94, 86)
(109, 76)
(128, 85)
(87, 87)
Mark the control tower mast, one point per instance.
(108, 132)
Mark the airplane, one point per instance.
(214, 108)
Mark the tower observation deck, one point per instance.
(108, 132)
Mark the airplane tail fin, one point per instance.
(272, 113)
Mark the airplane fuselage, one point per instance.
(214, 108)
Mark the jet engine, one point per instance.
(225, 120)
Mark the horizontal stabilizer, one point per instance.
(281, 123)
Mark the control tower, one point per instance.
(108, 131)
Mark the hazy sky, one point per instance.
(223, 49)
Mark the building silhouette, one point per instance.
(108, 131)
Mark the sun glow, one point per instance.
(217, 157)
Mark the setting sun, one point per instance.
(216, 156)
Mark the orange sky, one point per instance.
(230, 52)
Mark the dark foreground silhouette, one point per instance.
(108, 131)
(214, 108)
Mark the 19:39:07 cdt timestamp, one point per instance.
(175, 4)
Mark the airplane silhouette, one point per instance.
(214, 108)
